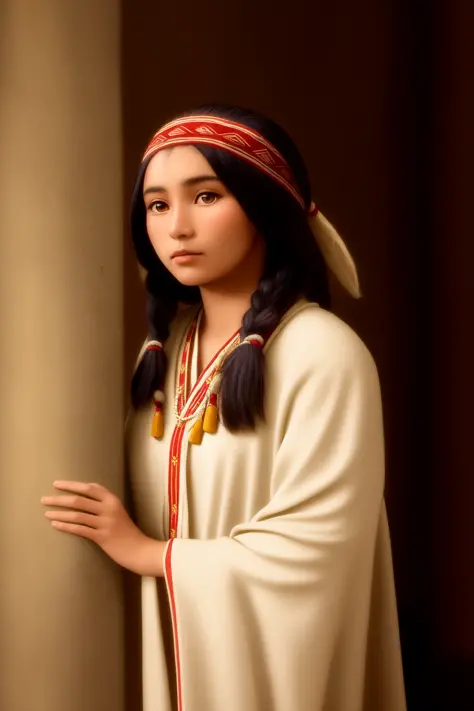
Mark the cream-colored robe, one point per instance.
(279, 584)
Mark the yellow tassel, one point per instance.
(195, 436)
(210, 419)
(158, 425)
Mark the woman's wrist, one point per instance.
(149, 558)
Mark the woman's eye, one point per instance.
(207, 198)
(157, 206)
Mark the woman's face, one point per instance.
(197, 228)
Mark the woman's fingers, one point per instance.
(80, 503)
(93, 491)
(83, 496)
(76, 529)
(74, 517)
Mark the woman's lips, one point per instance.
(184, 257)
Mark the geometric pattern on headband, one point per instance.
(232, 137)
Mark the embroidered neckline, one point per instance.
(191, 401)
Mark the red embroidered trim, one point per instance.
(169, 581)
(173, 478)
(174, 467)
(232, 137)
(174, 462)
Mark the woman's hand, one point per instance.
(92, 511)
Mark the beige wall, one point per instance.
(60, 347)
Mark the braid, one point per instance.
(151, 371)
(243, 379)
(266, 304)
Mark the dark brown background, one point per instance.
(378, 96)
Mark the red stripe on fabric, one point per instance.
(174, 460)
(174, 471)
(197, 396)
(174, 617)
(183, 367)
(174, 465)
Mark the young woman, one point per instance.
(255, 443)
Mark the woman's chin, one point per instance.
(195, 277)
(190, 277)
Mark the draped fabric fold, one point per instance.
(280, 585)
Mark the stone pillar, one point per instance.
(61, 413)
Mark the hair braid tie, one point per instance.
(154, 346)
(254, 340)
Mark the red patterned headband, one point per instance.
(232, 137)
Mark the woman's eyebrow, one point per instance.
(186, 183)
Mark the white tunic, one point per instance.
(279, 586)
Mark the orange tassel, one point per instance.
(158, 425)
(195, 436)
(210, 417)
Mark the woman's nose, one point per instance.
(181, 224)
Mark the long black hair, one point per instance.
(294, 268)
